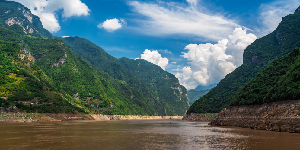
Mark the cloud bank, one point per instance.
(112, 24)
(155, 58)
(46, 10)
(209, 63)
(164, 18)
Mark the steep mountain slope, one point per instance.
(277, 82)
(101, 59)
(195, 95)
(91, 89)
(165, 84)
(256, 57)
(18, 18)
(21, 81)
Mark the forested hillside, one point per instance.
(257, 56)
(277, 82)
(122, 69)
(77, 78)
(76, 81)
(86, 80)
(23, 82)
(165, 84)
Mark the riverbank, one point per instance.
(283, 116)
(6, 117)
(131, 117)
(205, 117)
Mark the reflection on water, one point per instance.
(144, 134)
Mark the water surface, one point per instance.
(139, 134)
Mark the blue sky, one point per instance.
(199, 41)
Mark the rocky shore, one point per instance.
(134, 117)
(283, 116)
(206, 117)
(6, 117)
(23, 117)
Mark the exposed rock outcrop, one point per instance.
(14, 20)
(282, 116)
(75, 96)
(29, 56)
(22, 56)
(105, 117)
(29, 29)
(28, 15)
(59, 62)
(207, 117)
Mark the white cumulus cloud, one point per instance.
(112, 24)
(46, 10)
(155, 58)
(209, 63)
(164, 18)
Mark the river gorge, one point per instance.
(139, 134)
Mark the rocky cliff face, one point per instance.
(13, 13)
(283, 116)
(206, 117)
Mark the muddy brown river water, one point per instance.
(140, 134)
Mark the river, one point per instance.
(140, 134)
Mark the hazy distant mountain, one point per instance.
(195, 95)
(200, 87)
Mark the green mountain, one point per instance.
(76, 82)
(257, 56)
(18, 18)
(195, 95)
(86, 79)
(278, 82)
(21, 81)
(140, 82)
(163, 83)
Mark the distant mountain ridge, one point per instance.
(201, 87)
(195, 95)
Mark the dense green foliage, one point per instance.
(23, 81)
(195, 95)
(277, 82)
(165, 84)
(74, 76)
(146, 91)
(44, 75)
(257, 56)
(70, 81)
